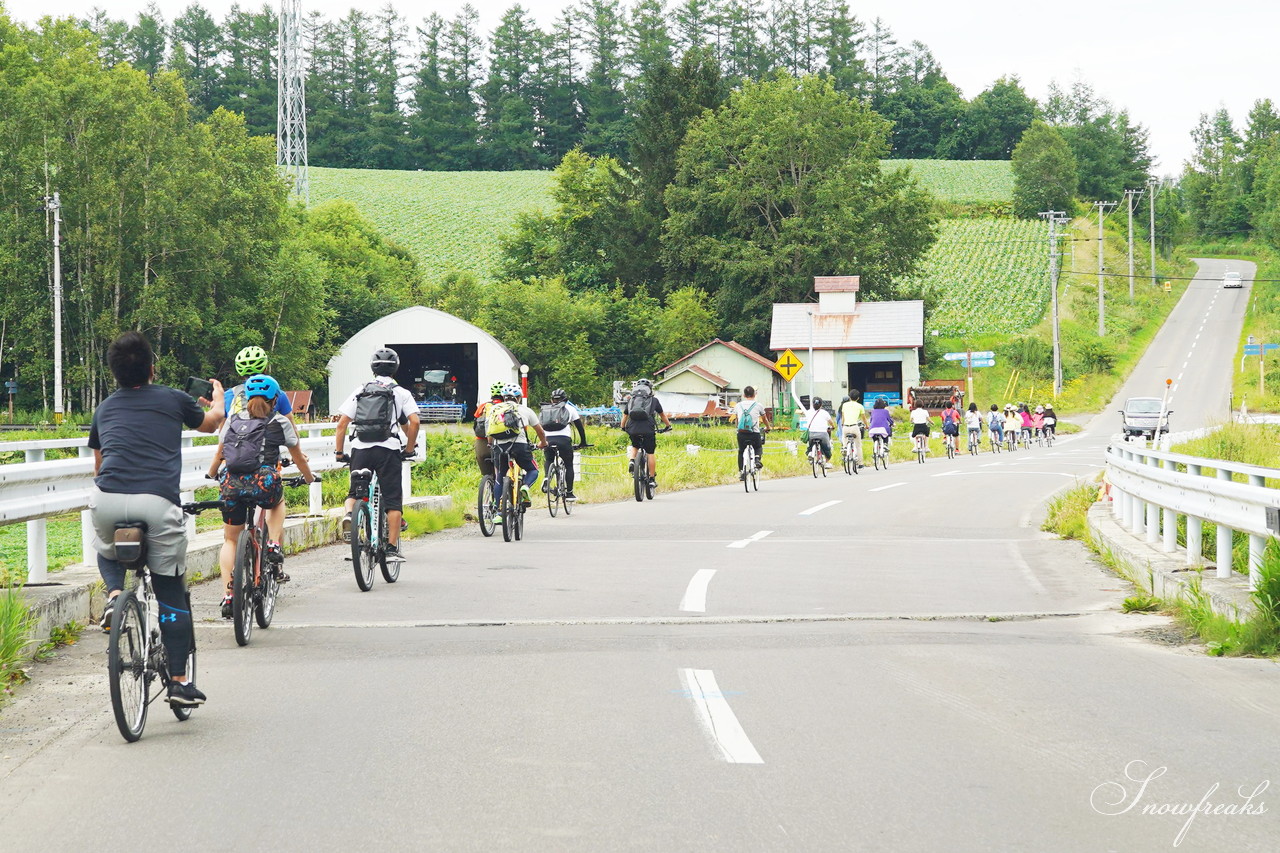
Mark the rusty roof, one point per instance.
(875, 325)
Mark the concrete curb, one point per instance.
(1166, 575)
(77, 593)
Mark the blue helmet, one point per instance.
(261, 385)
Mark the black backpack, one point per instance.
(640, 409)
(244, 447)
(554, 416)
(375, 412)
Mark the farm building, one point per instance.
(444, 360)
(870, 347)
(722, 369)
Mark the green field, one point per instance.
(986, 275)
(452, 220)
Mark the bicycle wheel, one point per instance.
(179, 711)
(639, 475)
(242, 587)
(265, 607)
(754, 474)
(505, 510)
(362, 546)
(814, 456)
(564, 498)
(390, 568)
(846, 459)
(486, 504)
(127, 666)
(552, 485)
(519, 522)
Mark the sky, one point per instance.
(1165, 61)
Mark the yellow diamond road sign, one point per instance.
(788, 365)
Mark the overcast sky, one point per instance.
(1166, 61)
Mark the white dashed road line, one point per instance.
(819, 508)
(882, 488)
(695, 597)
(755, 537)
(717, 717)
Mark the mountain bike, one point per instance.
(975, 443)
(641, 482)
(748, 473)
(487, 508)
(253, 590)
(136, 656)
(510, 508)
(556, 486)
(880, 451)
(369, 531)
(849, 451)
(816, 458)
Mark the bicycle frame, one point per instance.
(373, 497)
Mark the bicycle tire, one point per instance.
(519, 522)
(362, 546)
(127, 666)
(564, 498)
(486, 506)
(242, 589)
(390, 568)
(182, 712)
(846, 460)
(813, 460)
(755, 477)
(504, 510)
(552, 484)
(264, 609)
(639, 474)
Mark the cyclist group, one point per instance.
(1016, 425)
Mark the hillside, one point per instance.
(963, 182)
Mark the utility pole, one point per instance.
(53, 204)
(1055, 218)
(291, 100)
(1151, 203)
(1129, 199)
(1103, 208)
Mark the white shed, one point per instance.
(443, 358)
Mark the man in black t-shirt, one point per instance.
(136, 438)
(639, 422)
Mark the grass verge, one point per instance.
(16, 623)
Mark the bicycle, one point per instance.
(922, 447)
(1025, 438)
(641, 482)
(1011, 440)
(949, 439)
(996, 441)
(880, 451)
(849, 451)
(554, 485)
(748, 473)
(816, 457)
(253, 591)
(369, 530)
(510, 508)
(975, 443)
(487, 508)
(136, 656)
(1049, 435)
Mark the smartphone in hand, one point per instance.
(198, 388)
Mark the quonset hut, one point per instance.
(446, 362)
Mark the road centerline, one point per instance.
(882, 488)
(718, 719)
(695, 595)
(819, 508)
(755, 537)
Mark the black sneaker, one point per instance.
(393, 553)
(570, 497)
(631, 466)
(107, 609)
(185, 695)
(275, 554)
(653, 482)
(280, 575)
(226, 607)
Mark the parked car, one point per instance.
(1232, 279)
(1141, 417)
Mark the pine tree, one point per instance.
(508, 132)
(557, 107)
(603, 102)
(198, 34)
(841, 36)
(147, 41)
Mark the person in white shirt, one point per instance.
(517, 444)
(380, 447)
(973, 422)
(920, 425)
(749, 415)
(558, 422)
(819, 423)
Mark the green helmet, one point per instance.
(495, 390)
(251, 360)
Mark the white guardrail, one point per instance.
(37, 489)
(1151, 488)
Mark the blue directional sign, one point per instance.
(1259, 349)
(979, 362)
(961, 356)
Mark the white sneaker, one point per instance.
(828, 466)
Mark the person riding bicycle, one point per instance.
(1012, 423)
(506, 423)
(818, 423)
(751, 420)
(973, 423)
(251, 361)
(1024, 417)
(639, 424)
(250, 447)
(950, 421)
(920, 424)
(881, 422)
(136, 437)
(385, 417)
(484, 459)
(849, 422)
(558, 422)
(1037, 422)
(995, 423)
(1050, 421)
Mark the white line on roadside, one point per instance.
(717, 717)
(1025, 568)
(755, 537)
(966, 473)
(882, 488)
(695, 597)
(819, 508)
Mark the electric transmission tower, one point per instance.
(291, 103)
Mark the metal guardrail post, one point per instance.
(1257, 544)
(37, 538)
(87, 552)
(1224, 538)
(1170, 518)
(1195, 531)
(1153, 510)
(188, 521)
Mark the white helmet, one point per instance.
(1039, 410)
(511, 391)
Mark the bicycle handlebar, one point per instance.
(199, 506)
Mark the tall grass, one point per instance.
(1068, 512)
(16, 623)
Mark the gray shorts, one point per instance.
(166, 532)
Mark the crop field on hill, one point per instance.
(452, 220)
(986, 275)
(448, 220)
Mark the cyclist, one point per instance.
(1050, 420)
(250, 443)
(1012, 424)
(973, 423)
(484, 459)
(752, 421)
(252, 361)
(819, 423)
(852, 416)
(995, 423)
(950, 423)
(1024, 417)
(514, 442)
(920, 425)
(1037, 421)
(881, 421)
(386, 433)
(136, 438)
(558, 422)
(638, 423)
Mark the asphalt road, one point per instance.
(896, 661)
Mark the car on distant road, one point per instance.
(1141, 417)
(1232, 279)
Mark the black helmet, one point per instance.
(816, 404)
(385, 362)
(558, 396)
